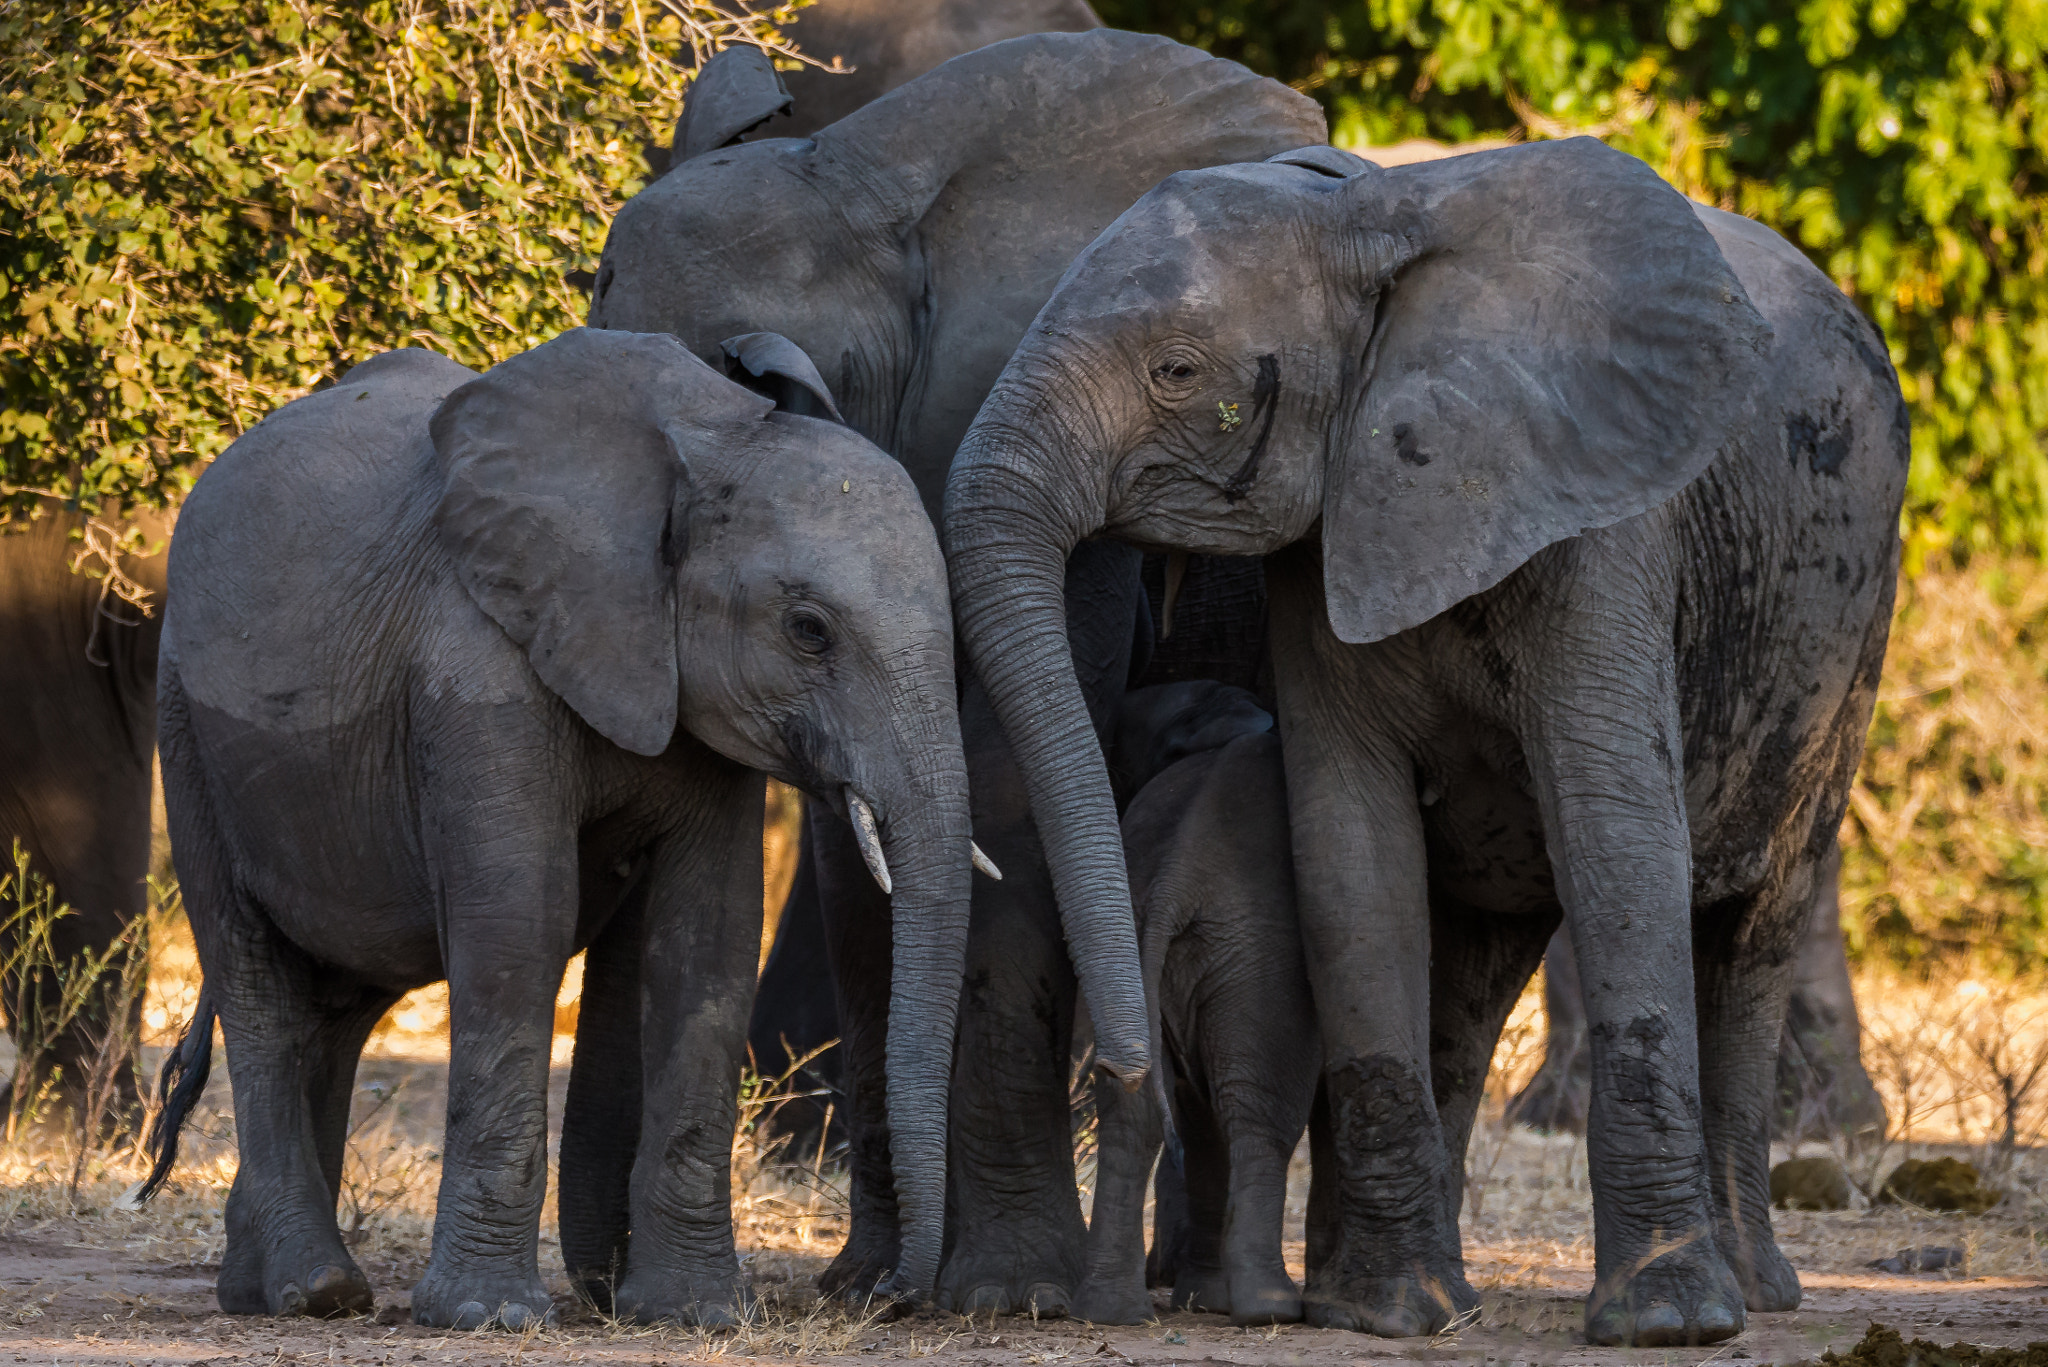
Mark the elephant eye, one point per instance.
(808, 632)
(1176, 370)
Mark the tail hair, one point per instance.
(183, 1079)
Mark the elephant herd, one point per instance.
(1191, 571)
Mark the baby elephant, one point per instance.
(463, 674)
(1213, 882)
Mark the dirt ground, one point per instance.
(89, 1282)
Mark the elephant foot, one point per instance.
(713, 1302)
(321, 1291)
(1264, 1299)
(858, 1268)
(1683, 1299)
(1390, 1307)
(1769, 1283)
(1204, 1290)
(1104, 1300)
(446, 1301)
(1008, 1271)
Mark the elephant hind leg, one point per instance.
(294, 1032)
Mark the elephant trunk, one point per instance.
(925, 835)
(1016, 505)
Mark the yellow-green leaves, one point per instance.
(208, 207)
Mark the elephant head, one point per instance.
(1436, 370)
(672, 549)
(906, 248)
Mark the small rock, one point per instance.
(1927, 1258)
(1938, 1184)
(1810, 1184)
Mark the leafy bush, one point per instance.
(1902, 146)
(208, 207)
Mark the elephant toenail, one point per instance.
(291, 1300)
(1659, 1325)
(1717, 1322)
(1399, 1322)
(1047, 1301)
(470, 1315)
(986, 1298)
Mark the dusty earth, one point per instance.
(89, 1282)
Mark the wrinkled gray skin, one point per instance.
(77, 735)
(1580, 569)
(1212, 881)
(906, 248)
(462, 675)
(1823, 1090)
(885, 43)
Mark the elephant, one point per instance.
(1212, 880)
(77, 742)
(885, 43)
(1579, 507)
(532, 637)
(906, 248)
(1822, 1087)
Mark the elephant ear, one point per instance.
(773, 366)
(565, 492)
(1015, 156)
(1559, 346)
(737, 90)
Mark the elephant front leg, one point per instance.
(510, 893)
(703, 941)
(1607, 771)
(1361, 879)
(1129, 1129)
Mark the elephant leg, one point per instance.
(508, 875)
(1169, 1216)
(601, 1114)
(1361, 881)
(1604, 757)
(1129, 1132)
(1017, 1239)
(1555, 1099)
(292, 1055)
(857, 928)
(1479, 964)
(1319, 1225)
(1743, 959)
(1822, 1087)
(702, 946)
(795, 1013)
(1202, 1282)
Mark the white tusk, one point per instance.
(984, 863)
(870, 839)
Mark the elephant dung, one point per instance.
(1816, 1183)
(1938, 1184)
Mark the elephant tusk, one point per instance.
(1176, 571)
(870, 838)
(984, 863)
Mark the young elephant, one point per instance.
(465, 673)
(1212, 878)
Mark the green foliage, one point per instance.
(208, 207)
(1902, 146)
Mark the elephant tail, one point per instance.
(183, 1079)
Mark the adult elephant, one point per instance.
(1581, 571)
(1822, 1087)
(77, 740)
(906, 248)
(884, 43)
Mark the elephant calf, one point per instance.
(463, 674)
(1212, 878)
